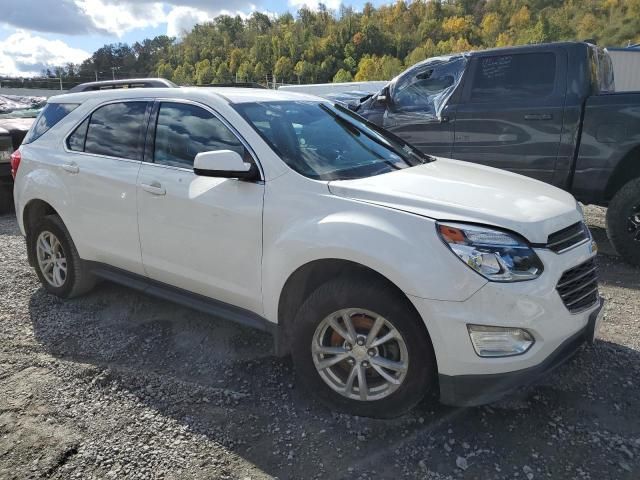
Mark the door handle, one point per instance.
(71, 167)
(538, 116)
(154, 188)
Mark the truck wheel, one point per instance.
(58, 265)
(362, 349)
(623, 222)
(6, 199)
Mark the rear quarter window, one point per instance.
(514, 77)
(51, 114)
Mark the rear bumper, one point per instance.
(474, 390)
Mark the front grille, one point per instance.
(578, 287)
(568, 237)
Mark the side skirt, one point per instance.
(183, 297)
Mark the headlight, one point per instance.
(498, 256)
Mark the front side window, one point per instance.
(523, 76)
(183, 131)
(327, 142)
(51, 114)
(116, 130)
(425, 87)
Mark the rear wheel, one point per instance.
(362, 349)
(623, 222)
(57, 263)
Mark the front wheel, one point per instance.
(362, 349)
(623, 222)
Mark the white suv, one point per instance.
(384, 272)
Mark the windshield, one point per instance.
(328, 142)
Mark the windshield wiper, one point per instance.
(404, 146)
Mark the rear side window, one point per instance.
(76, 140)
(51, 114)
(183, 131)
(114, 130)
(514, 77)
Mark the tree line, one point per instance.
(375, 43)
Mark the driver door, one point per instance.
(200, 234)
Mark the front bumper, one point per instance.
(533, 305)
(473, 390)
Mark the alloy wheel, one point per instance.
(360, 354)
(633, 223)
(52, 260)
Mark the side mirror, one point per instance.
(223, 164)
(383, 96)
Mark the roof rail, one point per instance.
(126, 83)
(234, 84)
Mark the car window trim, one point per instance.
(151, 130)
(65, 141)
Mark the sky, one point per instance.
(37, 34)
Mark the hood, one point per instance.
(460, 191)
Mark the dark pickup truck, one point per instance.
(548, 111)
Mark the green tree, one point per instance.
(342, 75)
(283, 69)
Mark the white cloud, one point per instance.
(22, 54)
(183, 19)
(119, 18)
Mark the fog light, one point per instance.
(499, 341)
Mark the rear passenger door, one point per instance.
(201, 234)
(100, 171)
(510, 113)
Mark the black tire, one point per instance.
(623, 235)
(384, 300)
(78, 279)
(6, 199)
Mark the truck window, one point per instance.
(426, 87)
(513, 77)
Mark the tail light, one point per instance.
(15, 163)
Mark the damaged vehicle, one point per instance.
(547, 111)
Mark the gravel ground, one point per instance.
(120, 385)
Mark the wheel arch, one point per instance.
(626, 170)
(33, 211)
(308, 277)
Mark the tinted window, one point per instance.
(51, 114)
(117, 130)
(76, 140)
(520, 77)
(326, 142)
(183, 131)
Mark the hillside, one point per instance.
(372, 44)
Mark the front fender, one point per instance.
(402, 247)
